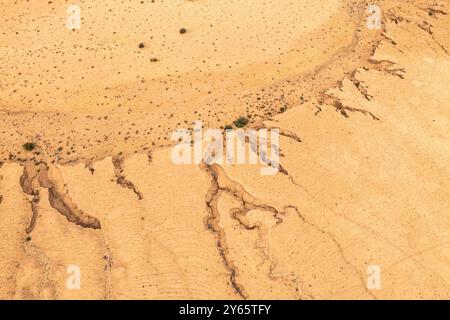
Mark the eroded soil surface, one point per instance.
(364, 117)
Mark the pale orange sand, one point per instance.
(365, 174)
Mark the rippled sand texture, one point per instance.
(364, 116)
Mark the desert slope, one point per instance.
(365, 173)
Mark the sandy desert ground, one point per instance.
(364, 117)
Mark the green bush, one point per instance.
(241, 122)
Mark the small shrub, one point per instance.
(228, 127)
(183, 30)
(141, 45)
(29, 146)
(241, 122)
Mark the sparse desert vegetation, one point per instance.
(241, 122)
(87, 175)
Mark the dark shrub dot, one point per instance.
(29, 146)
